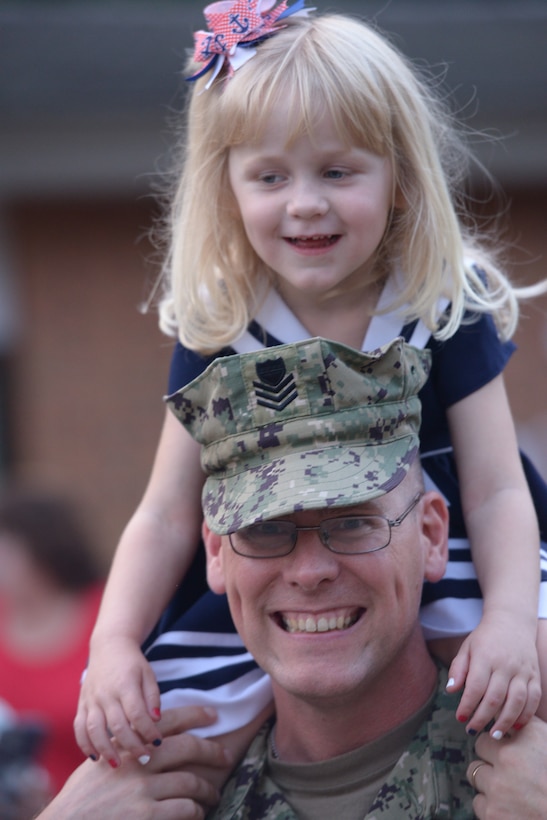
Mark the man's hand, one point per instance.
(164, 789)
(510, 775)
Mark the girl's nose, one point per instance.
(306, 201)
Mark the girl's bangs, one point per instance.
(360, 120)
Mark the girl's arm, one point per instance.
(119, 694)
(499, 659)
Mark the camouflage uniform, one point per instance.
(427, 782)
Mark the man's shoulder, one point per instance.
(429, 778)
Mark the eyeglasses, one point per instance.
(348, 535)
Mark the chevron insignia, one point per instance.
(274, 388)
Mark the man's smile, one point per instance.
(334, 620)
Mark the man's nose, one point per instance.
(311, 563)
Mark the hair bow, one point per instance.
(234, 29)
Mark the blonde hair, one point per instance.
(212, 277)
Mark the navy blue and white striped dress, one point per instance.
(195, 652)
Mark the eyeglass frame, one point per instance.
(323, 537)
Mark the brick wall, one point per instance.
(90, 370)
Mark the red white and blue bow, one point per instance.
(235, 27)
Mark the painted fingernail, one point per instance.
(113, 763)
(518, 726)
(497, 735)
(471, 732)
(450, 683)
(144, 759)
(156, 712)
(463, 718)
(156, 742)
(94, 758)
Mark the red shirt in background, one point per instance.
(48, 690)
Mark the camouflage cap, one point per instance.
(302, 426)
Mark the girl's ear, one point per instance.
(435, 535)
(213, 551)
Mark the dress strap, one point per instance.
(384, 327)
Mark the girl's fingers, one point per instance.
(473, 695)
(151, 694)
(100, 737)
(137, 727)
(520, 705)
(124, 735)
(82, 738)
(505, 703)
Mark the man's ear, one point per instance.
(435, 535)
(213, 551)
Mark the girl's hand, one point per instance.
(119, 701)
(498, 664)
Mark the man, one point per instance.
(320, 532)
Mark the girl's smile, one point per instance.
(311, 244)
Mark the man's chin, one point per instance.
(317, 682)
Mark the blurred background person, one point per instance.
(50, 589)
(25, 786)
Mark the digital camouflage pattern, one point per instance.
(302, 426)
(427, 782)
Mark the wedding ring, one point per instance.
(474, 774)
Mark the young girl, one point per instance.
(318, 196)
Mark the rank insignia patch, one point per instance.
(275, 388)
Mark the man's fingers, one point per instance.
(170, 785)
(185, 751)
(184, 718)
(475, 773)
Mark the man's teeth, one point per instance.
(324, 623)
